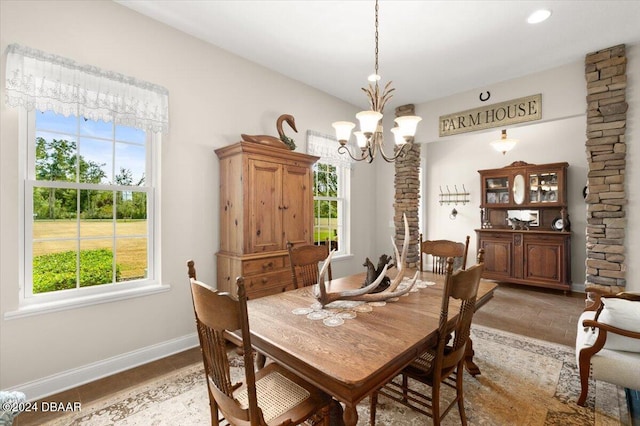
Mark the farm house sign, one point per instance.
(501, 114)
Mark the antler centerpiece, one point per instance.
(365, 294)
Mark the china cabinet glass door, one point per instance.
(497, 190)
(543, 187)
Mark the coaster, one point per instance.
(317, 315)
(363, 308)
(333, 321)
(377, 303)
(347, 315)
(343, 304)
(301, 311)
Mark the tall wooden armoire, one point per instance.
(266, 199)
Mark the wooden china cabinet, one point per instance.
(266, 199)
(525, 230)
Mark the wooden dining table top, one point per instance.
(352, 360)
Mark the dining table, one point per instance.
(351, 349)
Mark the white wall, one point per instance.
(214, 97)
(559, 136)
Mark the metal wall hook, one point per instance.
(454, 197)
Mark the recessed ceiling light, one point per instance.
(539, 16)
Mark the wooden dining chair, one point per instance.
(269, 396)
(440, 250)
(304, 261)
(444, 362)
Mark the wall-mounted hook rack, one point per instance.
(454, 197)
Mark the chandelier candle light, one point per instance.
(370, 138)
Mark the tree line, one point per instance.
(57, 160)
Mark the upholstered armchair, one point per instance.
(608, 340)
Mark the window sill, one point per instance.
(342, 257)
(84, 301)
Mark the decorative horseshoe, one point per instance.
(487, 98)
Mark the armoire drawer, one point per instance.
(268, 280)
(263, 265)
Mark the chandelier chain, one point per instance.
(376, 51)
(370, 137)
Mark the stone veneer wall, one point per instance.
(605, 72)
(407, 195)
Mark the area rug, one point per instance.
(524, 381)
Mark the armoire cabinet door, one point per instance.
(297, 212)
(265, 206)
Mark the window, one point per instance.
(88, 204)
(331, 194)
(89, 162)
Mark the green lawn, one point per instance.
(131, 253)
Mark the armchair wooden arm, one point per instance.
(594, 298)
(604, 328)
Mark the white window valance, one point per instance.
(326, 147)
(47, 82)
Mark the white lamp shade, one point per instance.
(504, 144)
(368, 120)
(397, 135)
(408, 124)
(343, 129)
(361, 139)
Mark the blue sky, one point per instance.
(95, 140)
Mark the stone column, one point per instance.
(605, 73)
(407, 195)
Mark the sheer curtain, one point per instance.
(326, 147)
(47, 82)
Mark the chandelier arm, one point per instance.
(391, 159)
(342, 149)
(370, 154)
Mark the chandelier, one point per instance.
(369, 138)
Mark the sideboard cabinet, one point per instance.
(525, 228)
(266, 199)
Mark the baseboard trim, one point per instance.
(69, 379)
(577, 287)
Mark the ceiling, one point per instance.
(429, 49)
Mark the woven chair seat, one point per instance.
(425, 361)
(276, 395)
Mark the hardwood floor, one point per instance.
(534, 312)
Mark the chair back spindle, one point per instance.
(440, 250)
(304, 261)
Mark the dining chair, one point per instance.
(440, 250)
(304, 261)
(443, 364)
(269, 396)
